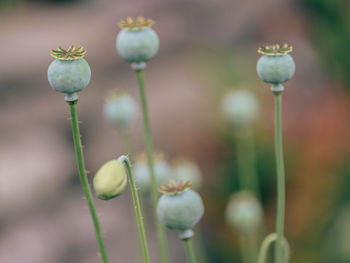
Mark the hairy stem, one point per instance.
(84, 179)
(137, 206)
(161, 234)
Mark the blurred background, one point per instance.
(208, 47)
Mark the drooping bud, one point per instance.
(110, 180)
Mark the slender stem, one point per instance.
(128, 146)
(245, 252)
(189, 250)
(161, 234)
(84, 180)
(278, 255)
(199, 246)
(139, 218)
(266, 244)
(246, 163)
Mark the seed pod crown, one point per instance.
(275, 50)
(72, 53)
(174, 188)
(138, 23)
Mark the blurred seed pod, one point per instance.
(188, 171)
(120, 109)
(244, 212)
(240, 108)
(163, 172)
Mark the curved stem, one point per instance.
(137, 206)
(189, 250)
(84, 179)
(266, 244)
(161, 234)
(278, 256)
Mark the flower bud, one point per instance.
(137, 42)
(110, 180)
(69, 72)
(244, 212)
(162, 172)
(240, 108)
(120, 110)
(179, 208)
(275, 66)
(188, 171)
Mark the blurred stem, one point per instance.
(199, 247)
(137, 206)
(246, 162)
(161, 234)
(128, 146)
(84, 179)
(248, 243)
(278, 255)
(189, 250)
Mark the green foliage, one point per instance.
(331, 32)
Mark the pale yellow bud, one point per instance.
(110, 180)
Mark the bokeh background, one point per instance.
(207, 48)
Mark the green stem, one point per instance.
(84, 179)
(139, 218)
(246, 162)
(161, 234)
(128, 146)
(189, 250)
(199, 246)
(266, 244)
(278, 255)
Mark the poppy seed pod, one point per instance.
(69, 73)
(244, 212)
(179, 208)
(240, 108)
(188, 171)
(119, 109)
(110, 180)
(275, 66)
(162, 172)
(137, 42)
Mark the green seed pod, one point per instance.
(137, 42)
(240, 108)
(244, 212)
(188, 171)
(275, 66)
(162, 172)
(120, 110)
(179, 208)
(69, 73)
(110, 180)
